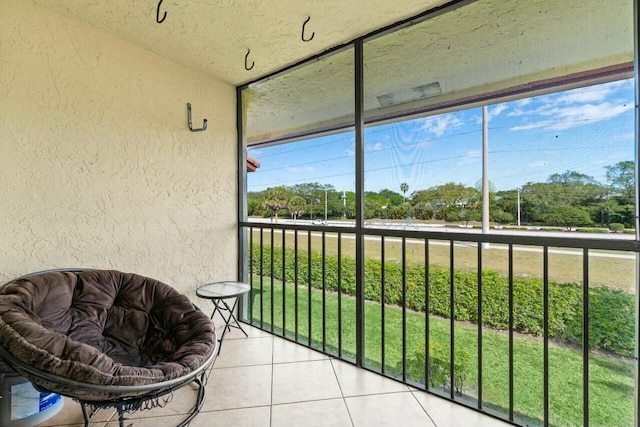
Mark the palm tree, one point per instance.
(296, 206)
(404, 187)
(276, 200)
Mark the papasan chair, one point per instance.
(105, 338)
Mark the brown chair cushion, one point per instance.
(104, 327)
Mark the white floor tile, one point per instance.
(286, 351)
(319, 413)
(395, 409)
(448, 414)
(358, 382)
(304, 381)
(247, 417)
(247, 352)
(241, 387)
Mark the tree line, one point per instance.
(569, 199)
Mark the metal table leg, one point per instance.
(227, 320)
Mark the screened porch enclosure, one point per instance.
(451, 202)
(511, 357)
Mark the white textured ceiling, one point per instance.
(488, 48)
(213, 35)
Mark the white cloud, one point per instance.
(625, 136)
(438, 125)
(492, 112)
(531, 126)
(350, 153)
(591, 112)
(472, 156)
(611, 159)
(376, 147)
(575, 115)
(518, 107)
(523, 102)
(582, 97)
(497, 110)
(571, 108)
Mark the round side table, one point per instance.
(219, 293)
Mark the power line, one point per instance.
(290, 181)
(401, 165)
(349, 138)
(386, 128)
(393, 128)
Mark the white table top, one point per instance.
(225, 289)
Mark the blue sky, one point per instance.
(581, 129)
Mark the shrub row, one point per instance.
(611, 314)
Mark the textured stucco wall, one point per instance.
(97, 165)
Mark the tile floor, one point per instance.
(264, 380)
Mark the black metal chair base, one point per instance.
(151, 398)
(157, 400)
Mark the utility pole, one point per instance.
(518, 206)
(344, 203)
(325, 205)
(485, 172)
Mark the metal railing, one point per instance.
(303, 289)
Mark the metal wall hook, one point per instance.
(204, 125)
(158, 20)
(303, 27)
(246, 66)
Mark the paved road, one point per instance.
(453, 229)
(445, 229)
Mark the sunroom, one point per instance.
(438, 195)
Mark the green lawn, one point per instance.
(611, 379)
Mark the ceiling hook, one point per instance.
(158, 20)
(246, 64)
(191, 128)
(312, 34)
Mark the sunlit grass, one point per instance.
(611, 379)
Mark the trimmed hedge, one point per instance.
(617, 227)
(611, 313)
